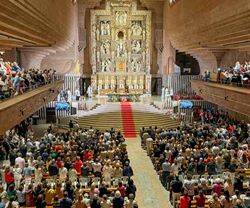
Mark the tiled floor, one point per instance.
(150, 192)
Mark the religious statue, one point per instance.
(136, 46)
(136, 28)
(105, 47)
(105, 28)
(121, 17)
(135, 65)
(121, 51)
(105, 65)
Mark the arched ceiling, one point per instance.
(34, 23)
(206, 29)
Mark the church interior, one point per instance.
(125, 103)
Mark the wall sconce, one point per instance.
(44, 99)
(226, 97)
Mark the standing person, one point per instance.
(78, 165)
(176, 187)
(53, 170)
(127, 170)
(38, 174)
(71, 124)
(166, 168)
(215, 202)
(149, 145)
(20, 161)
(17, 175)
(185, 200)
(50, 194)
(40, 202)
(105, 202)
(21, 196)
(200, 200)
(65, 202)
(131, 188)
(90, 92)
(77, 93)
(79, 202)
(118, 201)
(29, 196)
(9, 177)
(63, 172)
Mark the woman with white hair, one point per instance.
(118, 201)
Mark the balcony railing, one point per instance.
(10, 93)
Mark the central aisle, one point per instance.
(150, 193)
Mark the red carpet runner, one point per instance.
(127, 120)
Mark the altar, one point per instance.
(130, 97)
(121, 49)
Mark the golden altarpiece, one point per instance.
(121, 49)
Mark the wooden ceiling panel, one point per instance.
(210, 25)
(27, 21)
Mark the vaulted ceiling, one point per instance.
(34, 23)
(207, 28)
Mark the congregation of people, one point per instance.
(203, 164)
(81, 168)
(15, 81)
(238, 75)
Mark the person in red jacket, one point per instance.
(184, 200)
(59, 162)
(9, 177)
(87, 155)
(78, 165)
(200, 199)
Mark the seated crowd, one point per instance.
(204, 164)
(82, 168)
(238, 75)
(14, 80)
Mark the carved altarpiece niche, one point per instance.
(121, 48)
